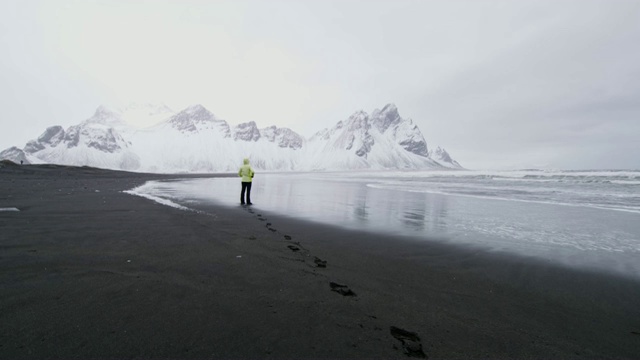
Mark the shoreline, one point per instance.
(91, 272)
(576, 237)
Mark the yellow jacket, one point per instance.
(246, 172)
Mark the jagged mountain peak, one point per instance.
(358, 116)
(195, 140)
(195, 118)
(195, 108)
(198, 112)
(442, 156)
(356, 132)
(51, 133)
(389, 110)
(247, 131)
(14, 154)
(390, 107)
(358, 121)
(386, 117)
(285, 137)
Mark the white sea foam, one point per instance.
(146, 191)
(610, 190)
(9, 209)
(626, 182)
(159, 200)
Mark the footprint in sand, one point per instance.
(341, 289)
(410, 341)
(287, 237)
(319, 262)
(293, 248)
(270, 228)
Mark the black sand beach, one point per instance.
(89, 272)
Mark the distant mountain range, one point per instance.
(195, 140)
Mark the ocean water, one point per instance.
(582, 219)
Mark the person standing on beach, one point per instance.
(246, 172)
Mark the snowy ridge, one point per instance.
(195, 140)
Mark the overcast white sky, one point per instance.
(499, 84)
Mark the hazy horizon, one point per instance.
(498, 84)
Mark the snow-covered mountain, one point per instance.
(442, 156)
(383, 140)
(195, 140)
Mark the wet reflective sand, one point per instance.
(571, 235)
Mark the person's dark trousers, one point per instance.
(246, 186)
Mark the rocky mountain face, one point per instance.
(442, 156)
(285, 138)
(97, 141)
(14, 154)
(196, 118)
(195, 140)
(382, 140)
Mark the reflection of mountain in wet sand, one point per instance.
(570, 235)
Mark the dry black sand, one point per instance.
(89, 272)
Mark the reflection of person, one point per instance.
(246, 172)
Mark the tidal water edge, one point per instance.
(588, 219)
